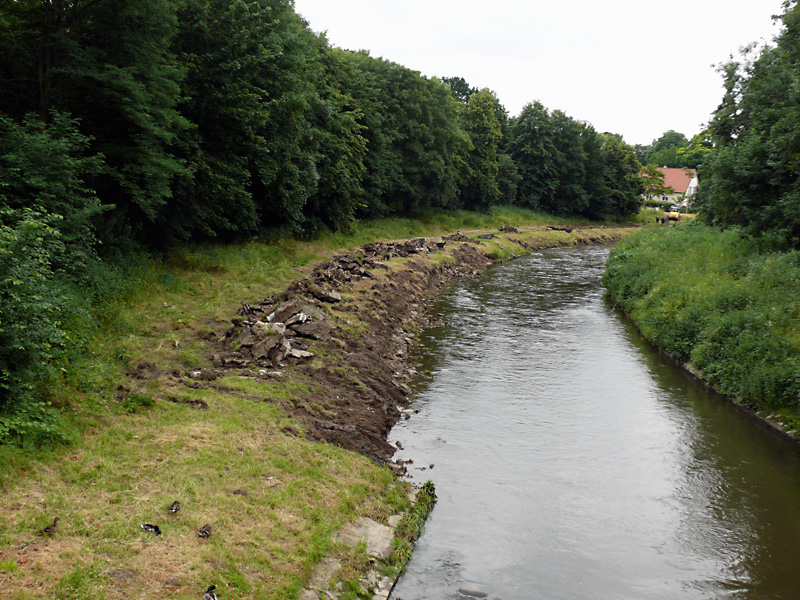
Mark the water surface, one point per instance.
(571, 461)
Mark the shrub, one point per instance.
(712, 298)
(32, 309)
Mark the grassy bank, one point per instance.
(712, 299)
(225, 449)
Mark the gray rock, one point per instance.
(299, 318)
(264, 347)
(262, 329)
(377, 537)
(286, 309)
(473, 592)
(299, 354)
(314, 312)
(326, 295)
(324, 573)
(315, 330)
(384, 588)
(279, 352)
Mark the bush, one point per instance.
(32, 309)
(711, 298)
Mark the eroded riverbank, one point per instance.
(344, 332)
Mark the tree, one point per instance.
(120, 79)
(623, 184)
(695, 151)
(653, 183)
(45, 168)
(415, 148)
(459, 87)
(338, 144)
(751, 177)
(532, 147)
(480, 121)
(223, 45)
(508, 179)
(663, 152)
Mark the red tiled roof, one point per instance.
(677, 179)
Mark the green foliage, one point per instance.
(410, 527)
(117, 75)
(480, 122)
(508, 179)
(712, 299)
(461, 90)
(751, 177)
(566, 167)
(694, 153)
(136, 402)
(416, 149)
(531, 146)
(663, 152)
(623, 183)
(33, 339)
(45, 167)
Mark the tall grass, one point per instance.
(712, 299)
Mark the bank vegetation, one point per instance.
(724, 293)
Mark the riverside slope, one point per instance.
(344, 332)
(234, 415)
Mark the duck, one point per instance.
(209, 594)
(151, 528)
(50, 529)
(174, 507)
(204, 531)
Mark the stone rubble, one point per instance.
(263, 333)
(378, 540)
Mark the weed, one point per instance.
(136, 402)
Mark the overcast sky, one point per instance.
(635, 67)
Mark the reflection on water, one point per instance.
(573, 462)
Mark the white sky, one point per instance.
(635, 67)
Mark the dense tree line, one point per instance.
(131, 124)
(674, 150)
(751, 178)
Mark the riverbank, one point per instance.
(723, 307)
(342, 334)
(252, 427)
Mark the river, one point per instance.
(572, 461)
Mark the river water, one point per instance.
(571, 461)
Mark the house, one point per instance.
(683, 181)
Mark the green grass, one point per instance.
(138, 445)
(711, 298)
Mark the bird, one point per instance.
(204, 531)
(174, 507)
(210, 595)
(151, 528)
(50, 529)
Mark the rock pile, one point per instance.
(271, 332)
